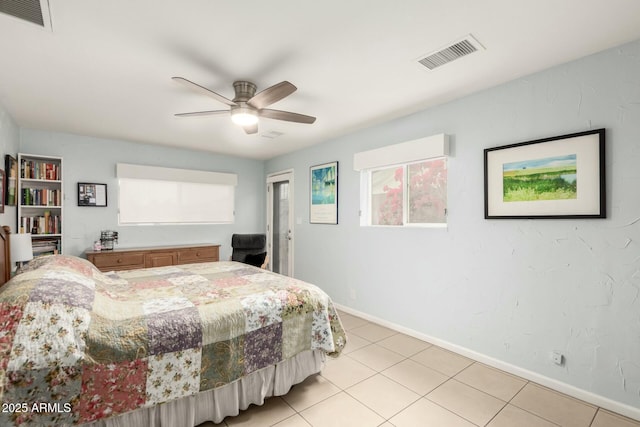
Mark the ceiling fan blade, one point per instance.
(250, 129)
(272, 94)
(286, 116)
(204, 90)
(203, 113)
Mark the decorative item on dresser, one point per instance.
(40, 201)
(108, 238)
(161, 256)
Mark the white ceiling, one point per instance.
(105, 70)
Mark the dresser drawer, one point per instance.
(118, 261)
(160, 259)
(202, 254)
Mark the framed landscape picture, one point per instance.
(323, 207)
(558, 177)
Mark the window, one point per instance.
(155, 195)
(404, 184)
(409, 194)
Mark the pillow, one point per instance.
(255, 259)
(63, 261)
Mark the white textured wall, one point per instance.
(513, 290)
(89, 159)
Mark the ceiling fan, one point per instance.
(247, 105)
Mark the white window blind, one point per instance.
(156, 195)
(406, 152)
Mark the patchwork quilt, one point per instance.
(78, 345)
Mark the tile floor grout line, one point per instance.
(380, 372)
(382, 416)
(487, 393)
(496, 414)
(476, 389)
(594, 416)
(321, 400)
(449, 410)
(510, 402)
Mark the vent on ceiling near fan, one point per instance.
(451, 53)
(34, 11)
(272, 134)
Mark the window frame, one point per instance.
(366, 196)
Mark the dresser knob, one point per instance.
(119, 260)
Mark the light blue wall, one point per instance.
(9, 143)
(88, 159)
(513, 290)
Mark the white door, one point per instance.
(280, 222)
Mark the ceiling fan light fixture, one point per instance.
(244, 116)
(247, 106)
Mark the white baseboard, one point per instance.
(578, 393)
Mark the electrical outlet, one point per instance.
(352, 294)
(557, 358)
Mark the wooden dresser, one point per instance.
(159, 256)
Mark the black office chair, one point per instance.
(250, 249)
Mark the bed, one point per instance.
(170, 346)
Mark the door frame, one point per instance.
(285, 175)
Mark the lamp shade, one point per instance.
(20, 247)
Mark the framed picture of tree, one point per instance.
(323, 207)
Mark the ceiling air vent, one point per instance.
(272, 134)
(452, 52)
(34, 11)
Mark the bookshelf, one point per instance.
(40, 201)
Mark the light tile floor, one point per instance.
(388, 379)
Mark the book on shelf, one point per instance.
(45, 247)
(44, 224)
(39, 169)
(41, 197)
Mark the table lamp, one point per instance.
(21, 249)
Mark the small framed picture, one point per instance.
(2, 190)
(324, 194)
(11, 187)
(92, 194)
(558, 177)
